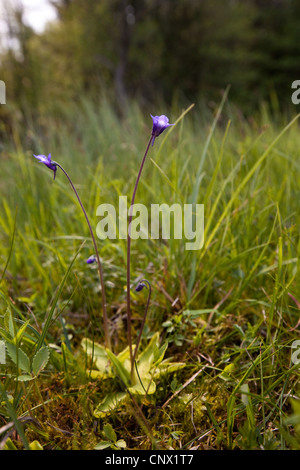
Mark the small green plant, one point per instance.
(150, 365)
(111, 441)
(34, 445)
(177, 327)
(30, 367)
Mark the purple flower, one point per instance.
(160, 123)
(140, 286)
(47, 161)
(91, 259)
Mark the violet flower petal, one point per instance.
(91, 259)
(140, 286)
(47, 161)
(160, 123)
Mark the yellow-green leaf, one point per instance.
(109, 403)
(35, 445)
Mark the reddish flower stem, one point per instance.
(104, 306)
(128, 255)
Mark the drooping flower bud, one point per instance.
(92, 259)
(140, 286)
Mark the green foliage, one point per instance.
(34, 445)
(228, 312)
(150, 365)
(112, 441)
(18, 356)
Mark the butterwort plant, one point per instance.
(160, 124)
(53, 165)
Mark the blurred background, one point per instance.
(55, 52)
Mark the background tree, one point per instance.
(151, 50)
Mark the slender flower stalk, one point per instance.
(139, 287)
(52, 165)
(104, 306)
(129, 251)
(160, 123)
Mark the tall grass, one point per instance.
(232, 306)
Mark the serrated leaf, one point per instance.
(18, 357)
(5, 335)
(109, 432)
(25, 378)
(40, 360)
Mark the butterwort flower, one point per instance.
(160, 123)
(140, 286)
(47, 161)
(92, 259)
